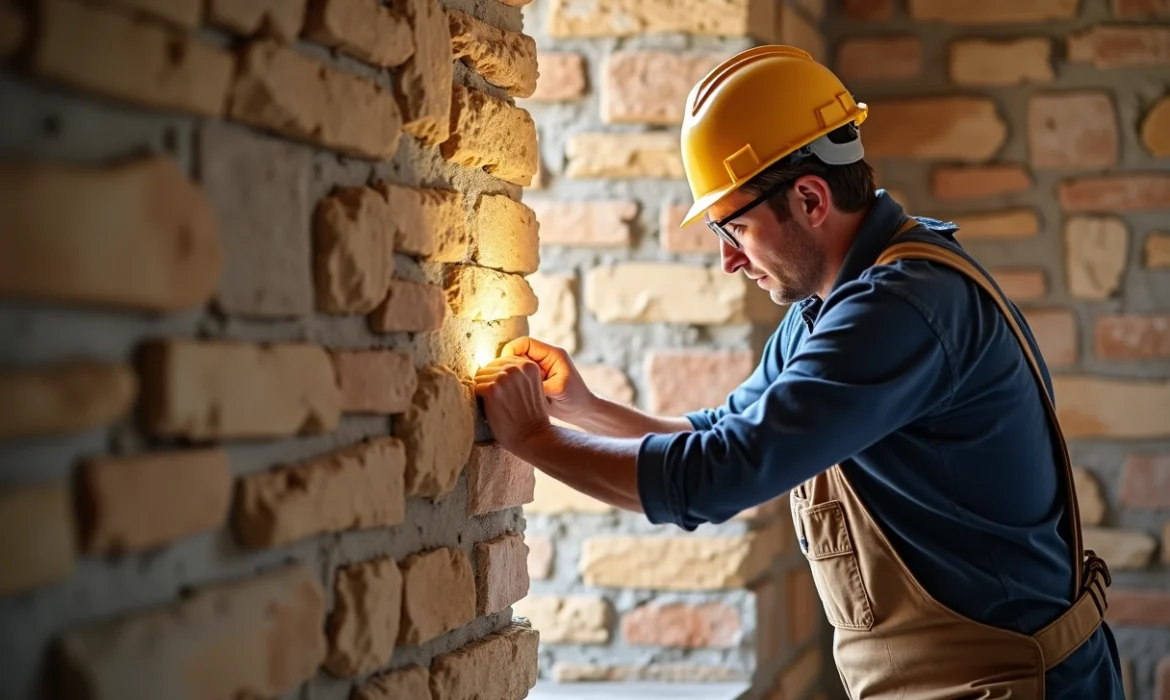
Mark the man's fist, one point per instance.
(513, 401)
(567, 395)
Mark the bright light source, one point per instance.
(485, 352)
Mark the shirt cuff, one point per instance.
(656, 491)
(699, 420)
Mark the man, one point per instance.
(902, 402)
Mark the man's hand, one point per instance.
(513, 401)
(568, 397)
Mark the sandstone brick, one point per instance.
(575, 619)
(229, 389)
(142, 501)
(492, 135)
(991, 12)
(497, 479)
(410, 307)
(867, 10)
(624, 156)
(552, 497)
(474, 670)
(258, 188)
(1021, 284)
(37, 536)
(501, 572)
(507, 235)
(1095, 255)
(1115, 193)
(797, 31)
(1090, 501)
(412, 681)
(422, 85)
(135, 235)
(279, 18)
(270, 627)
(369, 31)
(367, 610)
(664, 293)
(483, 294)
(14, 26)
(561, 76)
(607, 382)
(1139, 9)
(375, 381)
(879, 58)
(956, 183)
(800, 676)
(673, 237)
(675, 563)
(1132, 607)
(353, 256)
(428, 223)
(1109, 47)
(116, 55)
(438, 429)
(281, 90)
(555, 320)
(1074, 129)
(1120, 548)
(804, 610)
(1157, 251)
(1145, 481)
(1121, 408)
(670, 375)
(651, 86)
(618, 18)
(541, 552)
(590, 223)
(1056, 334)
(1155, 129)
(505, 59)
(65, 397)
(672, 672)
(996, 62)
(438, 594)
(1133, 336)
(965, 129)
(181, 13)
(683, 625)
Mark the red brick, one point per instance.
(991, 12)
(1116, 193)
(867, 10)
(675, 238)
(958, 183)
(879, 58)
(375, 381)
(367, 610)
(428, 223)
(66, 397)
(1155, 129)
(682, 625)
(371, 32)
(1006, 224)
(651, 87)
(39, 544)
(562, 76)
(507, 235)
(1072, 130)
(497, 479)
(1133, 336)
(1157, 251)
(492, 135)
(1021, 284)
(422, 85)
(1145, 483)
(1120, 47)
(984, 62)
(353, 256)
(410, 307)
(1138, 607)
(476, 670)
(438, 430)
(541, 553)
(438, 594)
(1140, 9)
(504, 58)
(279, 18)
(670, 375)
(969, 129)
(594, 224)
(804, 606)
(411, 681)
(1056, 334)
(482, 294)
(501, 572)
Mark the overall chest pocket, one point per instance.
(824, 539)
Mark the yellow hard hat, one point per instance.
(755, 108)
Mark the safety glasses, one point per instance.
(719, 227)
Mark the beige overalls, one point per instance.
(892, 640)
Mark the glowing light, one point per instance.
(484, 353)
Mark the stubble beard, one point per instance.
(803, 264)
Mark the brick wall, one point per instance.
(251, 252)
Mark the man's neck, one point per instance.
(837, 244)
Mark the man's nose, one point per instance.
(733, 258)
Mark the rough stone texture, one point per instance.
(497, 479)
(438, 594)
(551, 497)
(990, 12)
(505, 59)
(958, 183)
(675, 563)
(501, 572)
(1115, 193)
(1155, 129)
(671, 672)
(37, 536)
(1056, 334)
(491, 134)
(1021, 284)
(1094, 407)
(607, 382)
(1121, 549)
(427, 223)
(410, 306)
(422, 85)
(1138, 607)
(375, 381)
(1133, 337)
(620, 18)
(624, 156)
(507, 235)
(682, 625)
(541, 552)
(1095, 254)
(438, 430)
(353, 250)
(1072, 130)
(575, 619)
(369, 31)
(1145, 481)
(664, 293)
(140, 502)
(66, 397)
(1157, 251)
(561, 78)
(482, 294)
(356, 487)
(279, 18)
(473, 671)
(879, 58)
(995, 62)
(1111, 47)
(411, 681)
(555, 321)
(671, 375)
(1090, 500)
(367, 610)
(651, 86)
(593, 223)
(674, 237)
(965, 129)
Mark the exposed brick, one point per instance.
(428, 223)
(474, 670)
(672, 672)
(438, 594)
(353, 251)
(797, 31)
(438, 429)
(501, 572)
(624, 156)
(552, 497)
(1021, 284)
(356, 487)
(675, 563)
(482, 294)
(1076, 129)
(422, 85)
(1138, 607)
(1116, 193)
(132, 59)
(270, 627)
(574, 619)
(279, 18)
(1133, 337)
(591, 223)
(674, 238)
(804, 608)
(1157, 251)
(412, 681)
(995, 62)
(867, 10)
(1120, 46)
(497, 479)
(814, 8)
(1010, 223)
(1145, 482)
(143, 501)
(65, 397)
(769, 636)
(181, 13)
(967, 129)
(507, 235)
(991, 12)
(651, 86)
(367, 609)
(555, 320)
(1090, 501)
(490, 134)
(879, 58)
(957, 183)
(1091, 407)
(243, 390)
(670, 375)
(1095, 254)
(1140, 9)
(37, 536)
(616, 18)
(561, 78)
(14, 26)
(369, 31)
(1056, 334)
(607, 382)
(1121, 549)
(505, 59)
(279, 89)
(664, 293)
(541, 553)
(375, 381)
(1155, 129)
(683, 625)
(412, 307)
(800, 676)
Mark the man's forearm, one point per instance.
(605, 417)
(602, 467)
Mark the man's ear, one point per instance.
(813, 198)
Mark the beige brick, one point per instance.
(422, 85)
(142, 501)
(575, 619)
(1157, 251)
(482, 294)
(879, 58)
(1021, 284)
(957, 183)
(369, 31)
(505, 59)
(1091, 407)
(412, 681)
(624, 156)
(675, 563)
(474, 670)
(664, 293)
(797, 31)
(675, 238)
(803, 673)
(438, 429)
(375, 381)
(1094, 253)
(279, 89)
(367, 610)
(353, 256)
(996, 62)
(507, 235)
(135, 60)
(1109, 47)
(561, 78)
(670, 375)
(617, 18)
(966, 129)
(65, 397)
(501, 572)
(492, 135)
(1009, 223)
(552, 497)
(867, 10)
(1115, 193)
(683, 625)
(1133, 336)
(1155, 129)
(438, 594)
(541, 553)
(37, 536)
(590, 223)
(1145, 481)
(992, 12)
(137, 235)
(651, 86)
(270, 628)
(355, 488)
(607, 382)
(181, 13)
(1090, 501)
(1074, 129)
(14, 26)
(279, 18)
(428, 223)
(230, 389)
(1121, 549)
(1056, 333)
(1140, 9)
(410, 306)
(497, 479)
(555, 320)
(672, 672)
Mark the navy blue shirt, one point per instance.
(908, 376)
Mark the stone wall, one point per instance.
(251, 252)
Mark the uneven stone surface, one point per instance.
(37, 536)
(367, 610)
(353, 250)
(1145, 481)
(505, 59)
(1095, 407)
(1155, 129)
(65, 397)
(1095, 253)
(1072, 129)
(412, 307)
(422, 85)
(375, 381)
(1133, 336)
(618, 18)
(995, 62)
(656, 292)
(673, 237)
(588, 223)
(412, 681)
(561, 76)
(682, 625)
(1021, 284)
(438, 594)
(482, 294)
(501, 572)
(507, 235)
(1090, 501)
(490, 134)
(1110, 47)
(473, 671)
(1115, 193)
(674, 563)
(576, 619)
(552, 497)
(651, 86)
(1121, 549)
(670, 375)
(965, 129)
(989, 12)
(279, 18)
(1157, 251)
(879, 58)
(497, 479)
(372, 32)
(438, 430)
(541, 552)
(623, 156)
(555, 320)
(956, 183)
(427, 223)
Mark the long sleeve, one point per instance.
(753, 387)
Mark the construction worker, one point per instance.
(902, 404)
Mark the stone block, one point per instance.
(627, 18)
(411, 681)
(959, 183)
(1109, 47)
(963, 129)
(1073, 129)
(555, 320)
(654, 292)
(422, 85)
(438, 594)
(375, 381)
(65, 397)
(561, 77)
(1006, 224)
(505, 59)
(879, 58)
(552, 497)
(624, 155)
(1145, 481)
(492, 135)
(998, 62)
(650, 86)
(353, 250)
(38, 538)
(278, 18)
(369, 31)
(501, 566)
(670, 376)
(1155, 129)
(683, 625)
(1095, 254)
(428, 223)
(1157, 251)
(574, 619)
(867, 10)
(507, 235)
(1057, 335)
(367, 610)
(497, 479)
(541, 553)
(1122, 549)
(1097, 407)
(1132, 337)
(673, 237)
(482, 294)
(1090, 501)
(410, 307)
(992, 12)
(664, 563)
(588, 223)
(438, 430)
(473, 670)
(1115, 193)
(1021, 284)
(607, 382)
